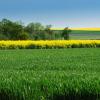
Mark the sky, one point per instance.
(58, 13)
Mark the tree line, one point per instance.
(10, 30)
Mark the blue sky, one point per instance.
(59, 13)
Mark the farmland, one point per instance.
(45, 44)
(81, 33)
(50, 74)
(84, 34)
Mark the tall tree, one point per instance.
(49, 31)
(34, 27)
(65, 33)
(13, 30)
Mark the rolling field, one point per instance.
(50, 74)
(85, 34)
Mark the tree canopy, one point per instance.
(10, 30)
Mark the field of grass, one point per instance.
(50, 74)
(84, 34)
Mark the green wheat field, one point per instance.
(82, 34)
(50, 74)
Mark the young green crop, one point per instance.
(50, 74)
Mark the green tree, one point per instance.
(23, 36)
(12, 30)
(34, 28)
(49, 31)
(65, 33)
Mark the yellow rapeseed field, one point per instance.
(87, 29)
(84, 29)
(49, 44)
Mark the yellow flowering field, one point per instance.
(29, 44)
(81, 29)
